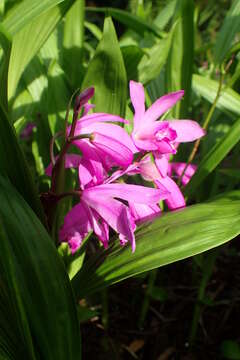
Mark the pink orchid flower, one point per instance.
(100, 206)
(160, 136)
(111, 141)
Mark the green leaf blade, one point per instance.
(106, 72)
(41, 281)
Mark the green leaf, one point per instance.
(26, 12)
(73, 43)
(106, 72)
(180, 62)
(14, 165)
(230, 349)
(214, 157)
(58, 96)
(36, 278)
(172, 237)
(29, 32)
(229, 100)
(165, 14)
(227, 33)
(156, 57)
(233, 173)
(28, 41)
(132, 55)
(94, 29)
(129, 20)
(37, 85)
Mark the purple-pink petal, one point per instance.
(133, 193)
(142, 212)
(160, 106)
(175, 200)
(178, 168)
(115, 213)
(71, 161)
(161, 162)
(76, 226)
(90, 119)
(119, 153)
(138, 101)
(187, 130)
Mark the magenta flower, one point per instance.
(101, 206)
(159, 136)
(112, 142)
(149, 171)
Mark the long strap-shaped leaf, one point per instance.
(229, 100)
(170, 238)
(180, 61)
(29, 26)
(35, 277)
(106, 72)
(230, 28)
(14, 165)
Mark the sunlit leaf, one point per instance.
(106, 72)
(229, 100)
(156, 57)
(73, 43)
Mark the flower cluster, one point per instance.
(108, 152)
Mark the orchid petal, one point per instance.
(190, 170)
(71, 161)
(94, 165)
(148, 169)
(133, 193)
(116, 150)
(142, 212)
(175, 200)
(76, 226)
(138, 100)
(187, 130)
(160, 106)
(115, 213)
(100, 227)
(114, 131)
(130, 170)
(90, 119)
(161, 162)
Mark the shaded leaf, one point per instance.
(131, 21)
(14, 165)
(37, 278)
(227, 33)
(180, 62)
(214, 157)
